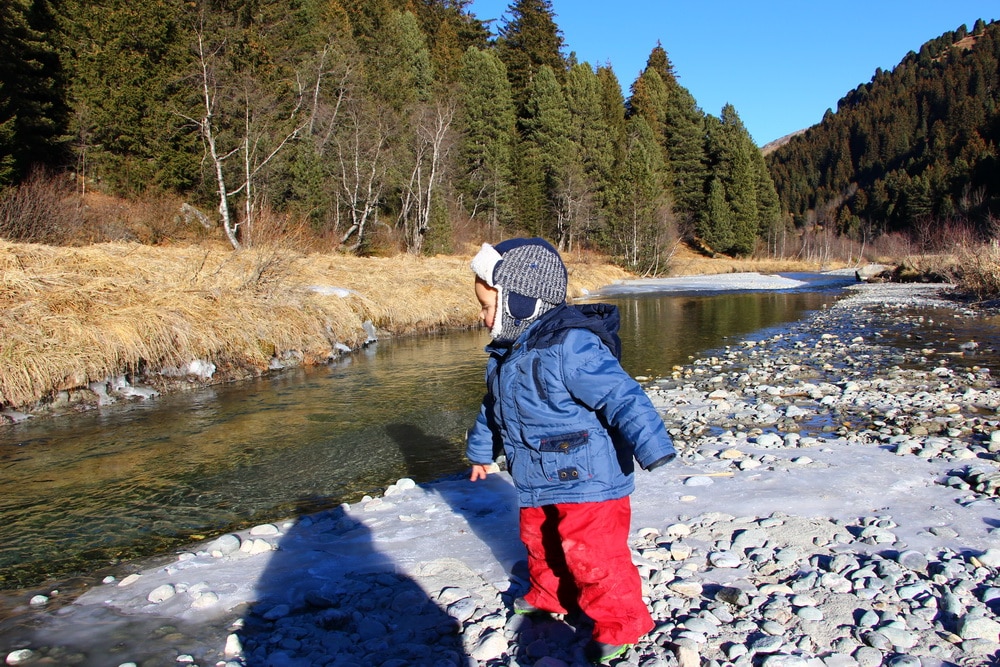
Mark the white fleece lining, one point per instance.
(485, 262)
(498, 314)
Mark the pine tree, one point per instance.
(312, 188)
(718, 225)
(592, 158)
(547, 148)
(613, 110)
(733, 177)
(486, 147)
(127, 68)
(649, 100)
(400, 70)
(741, 181)
(637, 233)
(770, 222)
(532, 215)
(450, 31)
(32, 106)
(530, 39)
(683, 140)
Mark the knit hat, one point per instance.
(530, 279)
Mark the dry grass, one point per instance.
(71, 316)
(687, 262)
(980, 271)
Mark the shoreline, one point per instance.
(122, 322)
(723, 569)
(119, 322)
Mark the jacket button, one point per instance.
(564, 445)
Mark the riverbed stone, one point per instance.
(979, 626)
(490, 645)
(990, 558)
(724, 559)
(225, 545)
(20, 656)
(913, 560)
(161, 593)
(899, 637)
(265, 530)
(868, 656)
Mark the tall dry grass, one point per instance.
(980, 271)
(71, 316)
(687, 262)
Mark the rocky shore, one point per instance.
(836, 503)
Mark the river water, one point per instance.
(83, 492)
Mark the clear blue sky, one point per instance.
(781, 63)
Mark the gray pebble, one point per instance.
(724, 559)
(767, 644)
(868, 656)
(784, 660)
(809, 614)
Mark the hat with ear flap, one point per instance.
(530, 278)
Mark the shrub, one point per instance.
(42, 209)
(981, 270)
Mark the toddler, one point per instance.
(571, 423)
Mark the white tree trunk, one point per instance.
(205, 124)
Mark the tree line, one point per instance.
(374, 122)
(913, 151)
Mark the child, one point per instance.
(570, 421)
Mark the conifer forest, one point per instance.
(387, 125)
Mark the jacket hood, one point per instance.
(600, 318)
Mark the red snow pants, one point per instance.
(579, 558)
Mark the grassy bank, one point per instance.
(72, 316)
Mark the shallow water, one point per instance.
(82, 492)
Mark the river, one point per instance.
(83, 492)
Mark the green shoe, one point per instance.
(525, 608)
(599, 653)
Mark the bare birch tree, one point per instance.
(432, 138)
(362, 159)
(257, 141)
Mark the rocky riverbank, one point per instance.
(835, 504)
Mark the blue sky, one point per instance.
(781, 63)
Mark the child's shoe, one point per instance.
(599, 653)
(525, 608)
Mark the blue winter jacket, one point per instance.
(566, 414)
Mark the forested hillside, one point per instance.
(372, 124)
(913, 151)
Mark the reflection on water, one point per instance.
(80, 492)
(659, 332)
(947, 339)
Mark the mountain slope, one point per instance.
(913, 148)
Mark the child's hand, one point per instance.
(479, 471)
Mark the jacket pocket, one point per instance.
(536, 374)
(566, 458)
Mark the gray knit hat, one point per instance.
(530, 278)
